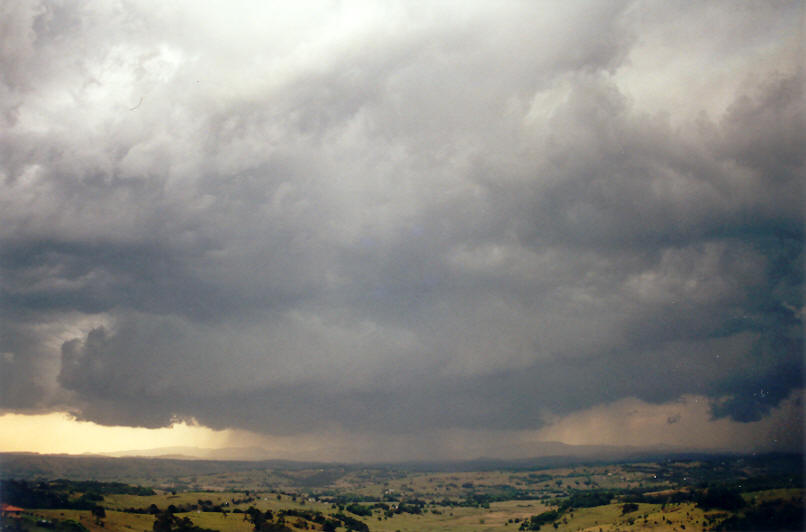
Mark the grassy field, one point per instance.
(666, 495)
(500, 516)
(113, 522)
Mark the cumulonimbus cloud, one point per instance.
(398, 219)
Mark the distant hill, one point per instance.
(137, 470)
(153, 466)
(537, 450)
(196, 453)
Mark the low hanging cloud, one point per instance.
(395, 220)
(684, 423)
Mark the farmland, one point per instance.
(704, 493)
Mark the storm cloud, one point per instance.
(399, 217)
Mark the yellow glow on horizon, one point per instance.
(59, 432)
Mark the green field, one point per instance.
(681, 495)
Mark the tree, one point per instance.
(629, 507)
(257, 517)
(164, 522)
(99, 513)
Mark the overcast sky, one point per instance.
(405, 219)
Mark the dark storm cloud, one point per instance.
(427, 219)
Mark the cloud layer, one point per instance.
(394, 218)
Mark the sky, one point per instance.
(401, 230)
